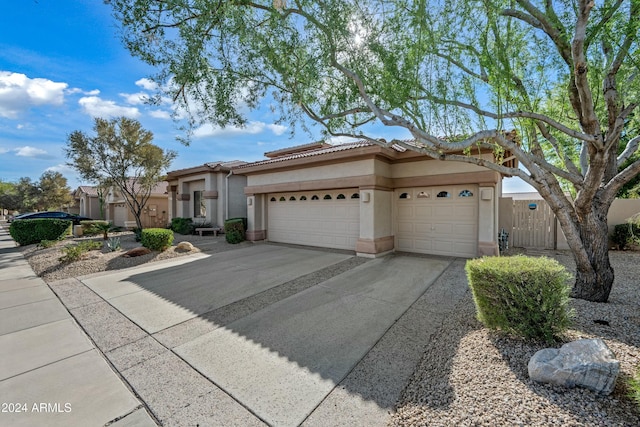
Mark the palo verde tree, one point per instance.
(120, 153)
(455, 74)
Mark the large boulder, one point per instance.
(184, 247)
(137, 252)
(585, 363)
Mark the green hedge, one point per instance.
(157, 239)
(524, 296)
(625, 234)
(94, 226)
(234, 229)
(29, 231)
(182, 225)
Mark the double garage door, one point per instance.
(437, 220)
(429, 220)
(329, 219)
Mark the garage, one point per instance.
(120, 214)
(329, 219)
(437, 220)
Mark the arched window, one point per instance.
(443, 194)
(327, 197)
(314, 197)
(340, 197)
(273, 199)
(405, 196)
(282, 199)
(292, 199)
(423, 195)
(355, 196)
(303, 197)
(465, 193)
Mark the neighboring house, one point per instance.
(73, 208)
(209, 193)
(87, 201)
(371, 199)
(154, 214)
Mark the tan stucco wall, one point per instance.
(339, 170)
(433, 167)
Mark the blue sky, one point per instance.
(62, 63)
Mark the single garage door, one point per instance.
(437, 220)
(329, 219)
(120, 214)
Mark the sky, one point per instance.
(62, 64)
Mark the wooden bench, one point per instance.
(215, 230)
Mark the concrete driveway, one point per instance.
(266, 334)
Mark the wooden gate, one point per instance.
(533, 225)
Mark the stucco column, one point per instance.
(376, 228)
(172, 202)
(487, 221)
(256, 218)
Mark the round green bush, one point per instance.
(234, 230)
(157, 239)
(524, 296)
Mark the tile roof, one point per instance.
(89, 190)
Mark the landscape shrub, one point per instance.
(44, 244)
(234, 230)
(182, 225)
(627, 233)
(137, 232)
(97, 227)
(520, 295)
(157, 239)
(75, 252)
(113, 244)
(29, 231)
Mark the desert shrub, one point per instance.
(75, 252)
(29, 231)
(182, 225)
(44, 244)
(520, 295)
(634, 386)
(137, 232)
(113, 244)
(627, 233)
(157, 239)
(97, 227)
(234, 230)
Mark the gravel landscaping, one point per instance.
(468, 375)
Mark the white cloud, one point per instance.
(28, 151)
(252, 128)
(160, 114)
(4, 150)
(18, 93)
(62, 168)
(75, 90)
(135, 98)
(147, 84)
(98, 107)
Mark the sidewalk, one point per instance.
(50, 372)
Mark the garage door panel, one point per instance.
(332, 223)
(446, 226)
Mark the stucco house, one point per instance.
(209, 193)
(86, 197)
(371, 199)
(154, 214)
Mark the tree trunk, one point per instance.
(594, 278)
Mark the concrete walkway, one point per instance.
(263, 335)
(50, 372)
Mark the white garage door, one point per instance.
(329, 219)
(437, 220)
(120, 214)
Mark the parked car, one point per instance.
(53, 214)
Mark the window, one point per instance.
(340, 197)
(199, 208)
(282, 199)
(303, 197)
(405, 196)
(273, 199)
(443, 194)
(314, 197)
(355, 196)
(327, 197)
(292, 199)
(465, 193)
(423, 195)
